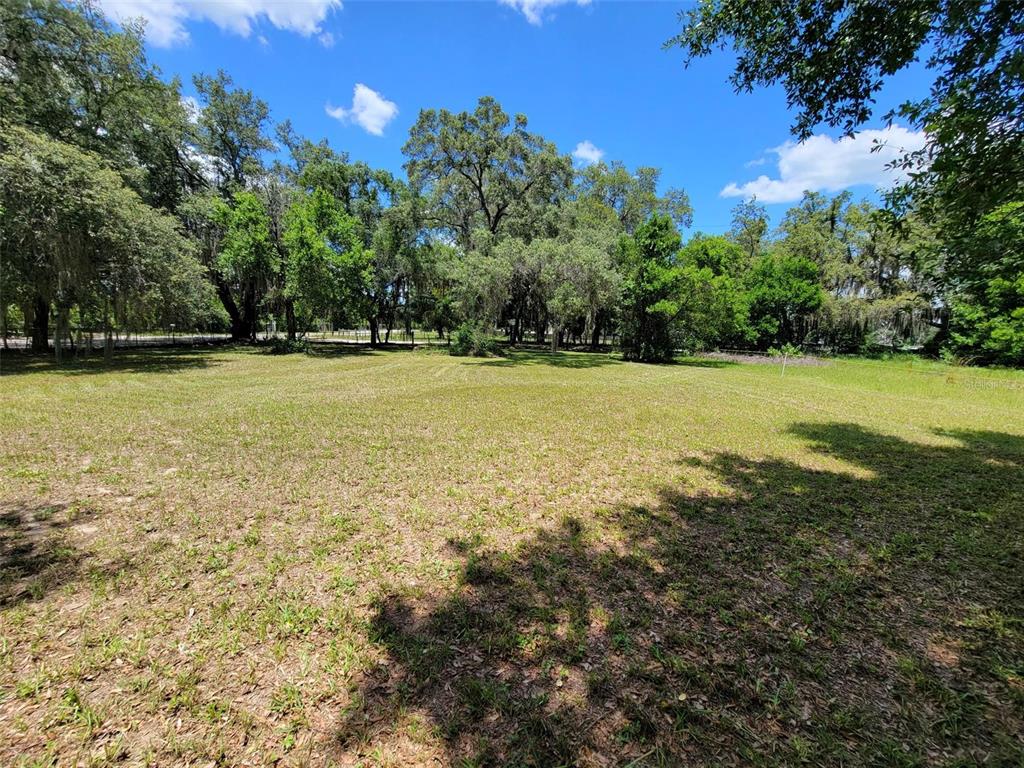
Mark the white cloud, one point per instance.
(166, 19)
(824, 164)
(534, 10)
(587, 153)
(369, 109)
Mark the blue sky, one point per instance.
(593, 72)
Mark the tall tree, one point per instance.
(67, 74)
(231, 138)
(634, 195)
(327, 266)
(248, 260)
(232, 129)
(482, 168)
(652, 291)
(74, 235)
(749, 227)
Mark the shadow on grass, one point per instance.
(870, 615)
(514, 358)
(348, 349)
(155, 360)
(35, 554)
(704, 362)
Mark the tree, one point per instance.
(717, 304)
(482, 168)
(720, 255)
(247, 261)
(833, 57)
(782, 291)
(74, 235)
(231, 137)
(988, 306)
(327, 268)
(232, 126)
(651, 291)
(580, 282)
(634, 196)
(749, 228)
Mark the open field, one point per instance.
(231, 558)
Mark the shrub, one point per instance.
(787, 349)
(472, 341)
(278, 346)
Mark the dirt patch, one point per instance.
(765, 359)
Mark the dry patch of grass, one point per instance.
(403, 558)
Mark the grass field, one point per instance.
(402, 558)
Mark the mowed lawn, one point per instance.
(402, 558)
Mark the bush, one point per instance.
(287, 346)
(787, 350)
(472, 341)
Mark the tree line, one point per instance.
(123, 206)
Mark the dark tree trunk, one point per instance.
(595, 336)
(249, 315)
(40, 325)
(289, 318)
(224, 294)
(374, 332)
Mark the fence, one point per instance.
(83, 341)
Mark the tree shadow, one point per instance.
(36, 556)
(866, 614)
(350, 349)
(704, 362)
(577, 360)
(154, 360)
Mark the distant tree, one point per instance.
(782, 291)
(832, 58)
(634, 195)
(232, 129)
(247, 262)
(652, 297)
(749, 228)
(713, 293)
(482, 169)
(720, 255)
(327, 266)
(74, 235)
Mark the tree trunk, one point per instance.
(374, 332)
(40, 325)
(556, 333)
(58, 337)
(289, 318)
(595, 336)
(249, 315)
(224, 294)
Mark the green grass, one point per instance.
(404, 558)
